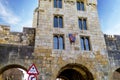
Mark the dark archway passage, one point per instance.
(116, 74)
(74, 72)
(11, 66)
(71, 74)
(13, 72)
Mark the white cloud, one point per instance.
(7, 15)
(113, 21)
(113, 30)
(19, 27)
(28, 23)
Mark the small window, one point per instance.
(58, 42)
(61, 42)
(58, 22)
(85, 43)
(55, 21)
(80, 6)
(82, 23)
(57, 3)
(55, 42)
(82, 43)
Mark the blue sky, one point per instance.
(19, 13)
(109, 16)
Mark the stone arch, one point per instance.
(116, 74)
(75, 71)
(11, 66)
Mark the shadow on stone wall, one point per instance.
(13, 52)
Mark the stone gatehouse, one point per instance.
(65, 42)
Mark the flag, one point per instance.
(72, 37)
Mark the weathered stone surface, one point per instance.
(94, 60)
(35, 45)
(113, 47)
(27, 37)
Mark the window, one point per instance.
(58, 42)
(57, 3)
(85, 43)
(58, 22)
(82, 23)
(80, 6)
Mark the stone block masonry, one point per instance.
(36, 45)
(96, 60)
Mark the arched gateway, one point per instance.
(10, 67)
(116, 74)
(74, 72)
(12, 72)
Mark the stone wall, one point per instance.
(35, 45)
(15, 45)
(13, 74)
(26, 37)
(52, 60)
(116, 76)
(113, 47)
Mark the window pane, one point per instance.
(60, 3)
(78, 5)
(82, 43)
(55, 21)
(61, 44)
(82, 6)
(84, 24)
(80, 23)
(60, 22)
(87, 45)
(55, 3)
(55, 42)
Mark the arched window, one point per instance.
(82, 23)
(80, 6)
(55, 42)
(57, 3)
(55, 21)
(85, 43)
(82, 43)
(60, 3)
(61, 43)
(58, 42)
(58, 21)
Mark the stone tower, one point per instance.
(69, 44)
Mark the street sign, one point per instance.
(32, 77)
(33, 70)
